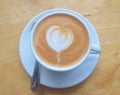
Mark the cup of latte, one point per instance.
(61, 41)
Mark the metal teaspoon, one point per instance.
(35, 82)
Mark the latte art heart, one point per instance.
(59, 38)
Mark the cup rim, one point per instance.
(53, 12)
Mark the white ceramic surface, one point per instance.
(51, 78)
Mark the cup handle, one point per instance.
(95, 49)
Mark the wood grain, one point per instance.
(103, 14)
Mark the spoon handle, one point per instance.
(35, 85)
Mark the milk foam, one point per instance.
(59, 38)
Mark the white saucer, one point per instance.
(51, 78)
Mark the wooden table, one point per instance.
(103, 14)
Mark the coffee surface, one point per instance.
(60, 40)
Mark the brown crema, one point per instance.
(69, 56)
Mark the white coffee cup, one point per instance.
(92, 48)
